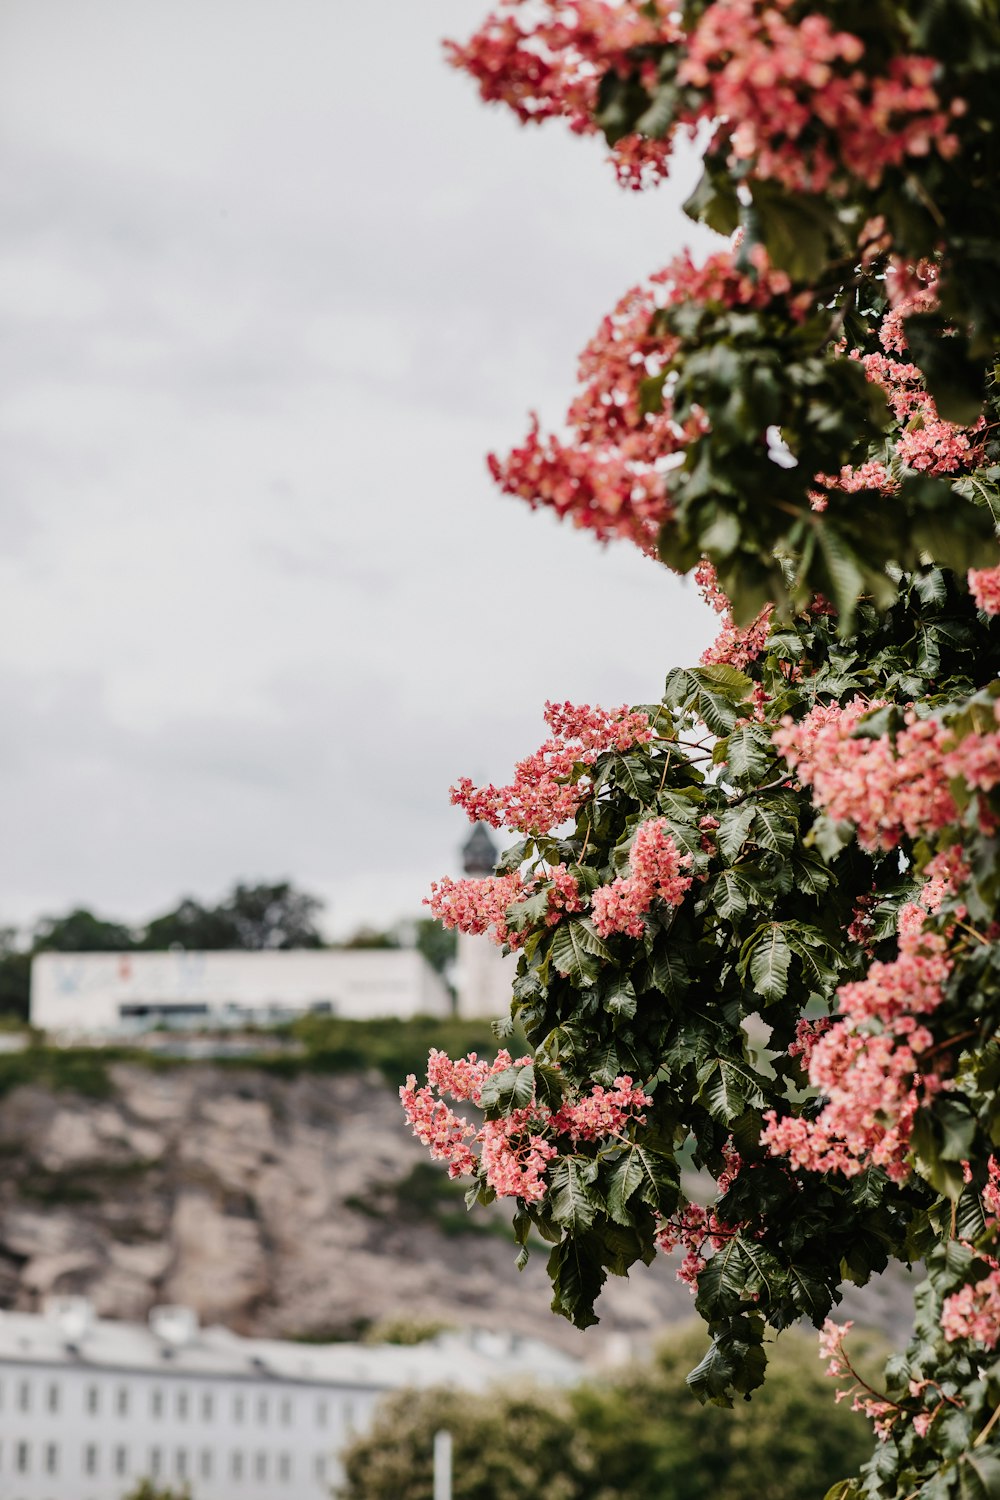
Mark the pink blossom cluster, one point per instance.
(565, 894)
(887, 787)
(546, 789)
(773, 81)
(869, 1063)
(655, 867)
(515, 1150)
(865, 1400)
(794, 98)
(696, 1228)
(477, 906)
(611, 476)
(984, 586)
(973, 1312)
(546, 59)
(735, 646)
(881, 787)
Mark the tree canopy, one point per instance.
(638, 1434)
(757, 920)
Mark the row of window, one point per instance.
(119, 1402)
(47, 1458)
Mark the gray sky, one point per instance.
(272, 282)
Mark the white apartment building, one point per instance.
(86, 993)
(88, 1407)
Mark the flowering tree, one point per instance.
(757, 921)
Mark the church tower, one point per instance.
(484, 975)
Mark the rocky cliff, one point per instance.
(291, 1207)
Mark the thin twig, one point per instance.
(987, 1429)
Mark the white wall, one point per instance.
(484, 977)
(233, 1439)
(82, 991)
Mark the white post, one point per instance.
(442, 1465)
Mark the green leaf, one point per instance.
(734, 827)
(734, 1365)
(749, 752)
(727, 1088)
(626, 1178)
(979, 1476)
(770, 957)
(829, 836)
(730, 894)
(669, 970)
(575, 950)
(577, 1275)
(621, 999)
(844, 1489)
(512, 1089)
(737, 686)
(571, 1198)
(774, 830)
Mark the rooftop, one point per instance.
(67, 1333)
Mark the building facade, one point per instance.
(113, 992)
(484, 976)
(89, 1407)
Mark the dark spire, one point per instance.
(479, 852)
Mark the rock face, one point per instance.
(281, 1207)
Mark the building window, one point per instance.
(121, 1401)
(156, 1402)
(286, 1412)
(239, 1408)
(90, 1459)
(262, 1410)
(349, 1415)
(206, 1463)
(53, 1397)
(51, 1458)
(121, 1460)
(181, 1464)
(1, 1395)
(155, 1461)
(207, 1407)
(24, 1396)
(321, 1413)
(93, 1400)
(284, 1466)
(21, 1458)
(182, 1405)
(236, 1464)
(260, 1467)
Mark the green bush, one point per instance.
(641, 1435)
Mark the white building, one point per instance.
(88, 1407)
(97, 992)
(484, 976)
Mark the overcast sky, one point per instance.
(272, 282)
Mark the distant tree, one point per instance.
(637, 1436)
(515, 1446)
(147, 1490)
(274, 916)
(191, 926)
(80, 931)
(370, 937)
(438, 944)
(251, 916)
(15, 974)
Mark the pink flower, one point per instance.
(654, 872)
(550, 786)
(984, 586)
